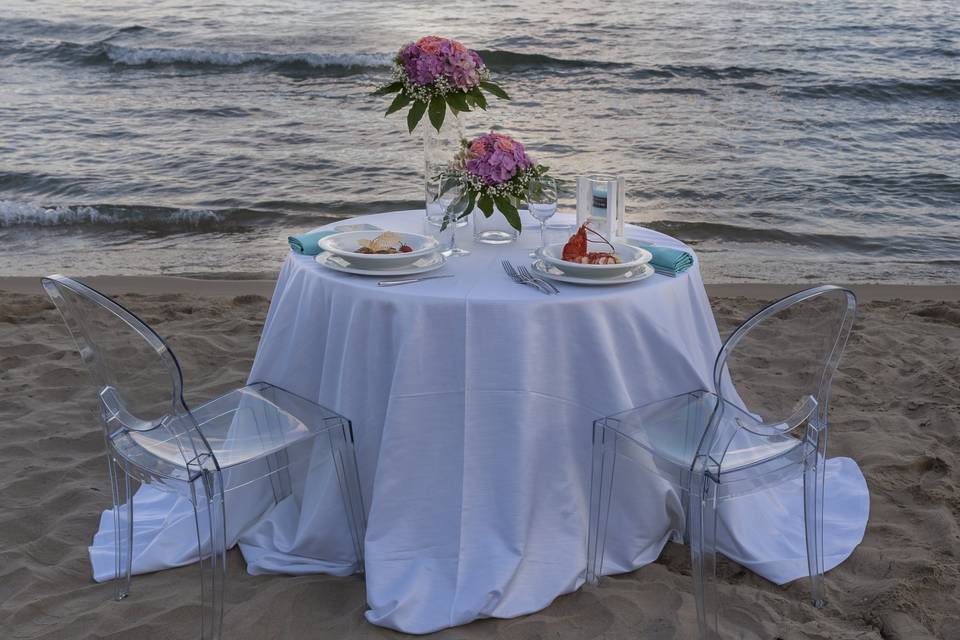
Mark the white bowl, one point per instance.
(346, 244)
(630, 258)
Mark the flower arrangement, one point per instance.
(492, 170)
(433, 74)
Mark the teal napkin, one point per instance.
(306, 243)
(667, 258)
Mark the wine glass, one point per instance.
(453, 202)
(542, 203)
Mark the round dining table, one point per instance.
(472, 400)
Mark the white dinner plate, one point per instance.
(426, 264)
(641, 272)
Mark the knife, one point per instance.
(390, 283)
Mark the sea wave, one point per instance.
(146, 56)
(903, 246)
(40, 28)
(501, 60)
(880, 90)
(107, 52)
(15, 213)
(708, 72)
(104, 52)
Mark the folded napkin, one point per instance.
(666, 258)
(306, 243)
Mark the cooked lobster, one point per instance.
(576, 248)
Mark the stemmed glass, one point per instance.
(542, 203)
(451, 200)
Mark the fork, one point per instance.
(516, 277)
(526, 274)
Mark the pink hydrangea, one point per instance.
(496, 158)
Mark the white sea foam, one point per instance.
(14, 213)
(137, 56)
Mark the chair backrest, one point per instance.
(779, 364)
(137, 377)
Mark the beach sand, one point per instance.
(896, 411)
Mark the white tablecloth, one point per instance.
(472, 401)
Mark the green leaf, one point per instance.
(458, 206)
(485, 203)
(393, 87)
(438, 109)
(398, 103)
(509, 211)
(458, 102)
(448, 182)
(495, 90)
(415, 114)
(478, 98)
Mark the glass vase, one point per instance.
(492, 230)
(439, 149)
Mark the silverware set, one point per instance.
(524, 277)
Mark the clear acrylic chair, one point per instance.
(763, 425)
(153, 437)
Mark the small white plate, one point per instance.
(640, 272)
(425, 264)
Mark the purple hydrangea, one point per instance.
(432, 57)
(496, 158)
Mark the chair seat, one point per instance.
(669, 431)
(241, 426)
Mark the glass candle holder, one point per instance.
(600, 201)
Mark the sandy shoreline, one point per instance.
(896, 411)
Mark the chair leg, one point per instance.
(703, 552)
(122, 527)
(208, 507)
(813, 485)
(601, 491)
(345, 460)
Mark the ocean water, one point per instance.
(788, 142)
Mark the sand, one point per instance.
(896, 410)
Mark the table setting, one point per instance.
(645, 254)
(472, 344)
